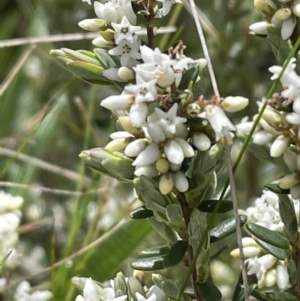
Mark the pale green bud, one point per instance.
(296, 10)
(107, 34)
(128, 127)
(117, 145)
(265, 7)
(166, 183)
(92, 24)
(272, 118)
(126, 74)
(283, 13)
(162, 165)
(270, 278)
(289, 181)
(202, 63)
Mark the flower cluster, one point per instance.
(279, 127)
(23, 293)
(120, 289)
(268, 269)
(10, 217)
(281, 14)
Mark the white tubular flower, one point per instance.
(156, 65)
(167, 5)
(218, 120)
(125, 31)
(102, 43)
(169, 120)
(126, 51)
(201, 141)
(106, 12)
(117, 102)
(143, 91)
(234, 103)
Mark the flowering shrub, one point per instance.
(172, 146)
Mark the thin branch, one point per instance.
(15, 70)
(205, 48)
(237, 219)
(45, 165)
(69, 37)
(50, 190)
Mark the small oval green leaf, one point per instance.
(154, 251)
(176, 253)
(141, 213)
(271, 237)
(225, 228)
(209, 206)
(209, 291)
(275, 251)
(148, 264)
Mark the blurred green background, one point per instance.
(48, 114)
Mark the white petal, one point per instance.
(174, 152)
(89, 291)
(287, 28)
(147, 157)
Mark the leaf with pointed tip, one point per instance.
(188, 76)
(225, 228)
(281, 296)
(288, 216)
(275, 251)
(141, 213)
(170, 288)
(272, 237)
(209, 291)
(119, 168)
(105, 58)
(148, 264)
(154, 251)
(176, 253)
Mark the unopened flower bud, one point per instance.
(162, 165)
(166, 183)
(126, 74)
(108, 34)
(201, 141)
(180, 181)
(282, 276)
(234, 103)
(202, 63)
(296, 10)
(265, 7)
(102, 43)
(283, 13)
(280, 144)
(193, 109)
(128, 127)
(288, 181)
(259, 28)
(270, 278)
(134, 148)
(92, 24)
(117, 145)
(148, 171)
(272, 118)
